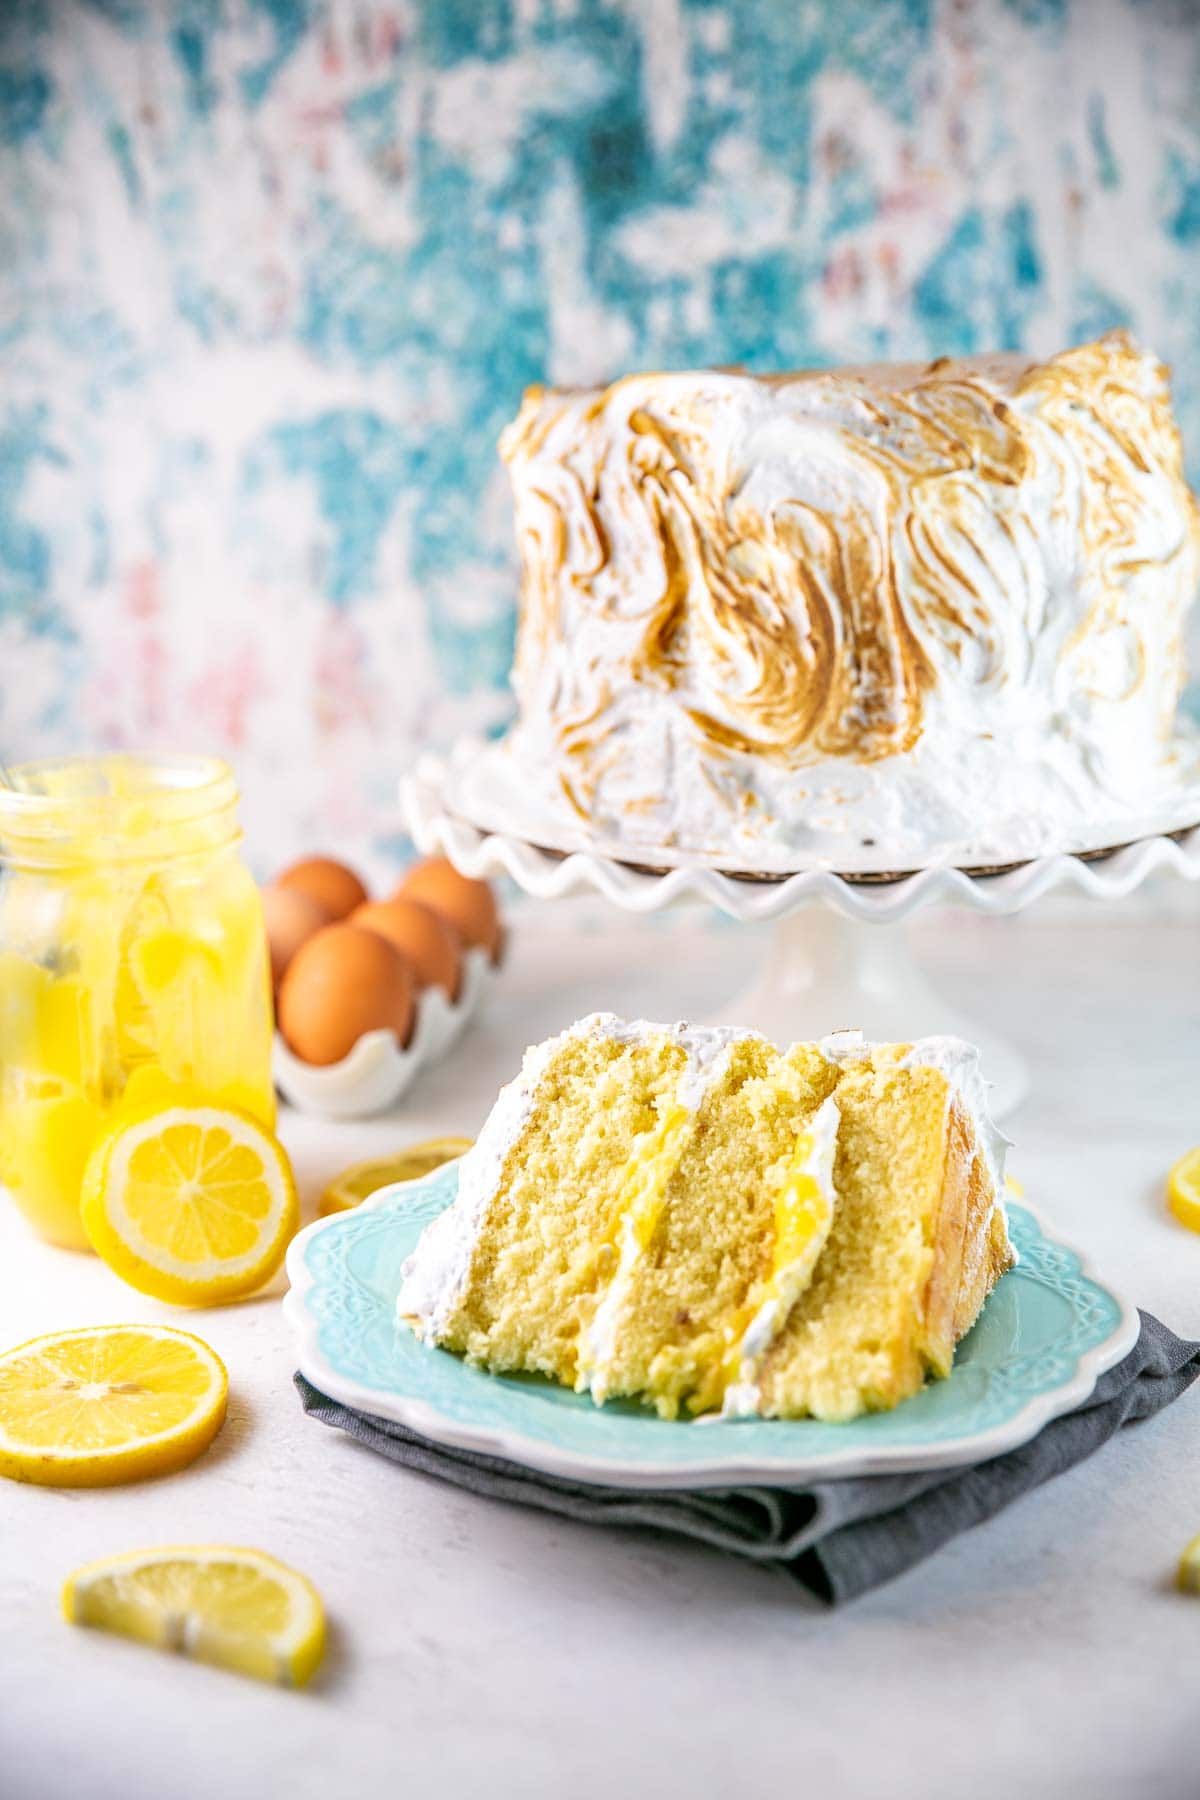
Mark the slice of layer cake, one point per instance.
(702, 1220)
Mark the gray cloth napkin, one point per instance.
(838, 1539)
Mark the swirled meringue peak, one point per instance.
(874, 615)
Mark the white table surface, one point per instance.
(480, 1648)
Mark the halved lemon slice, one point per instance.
(1183, 1190)
(108, 1403)
(357, 1183)
(239, 1609)
(191, 1203)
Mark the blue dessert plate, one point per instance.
(1048, 1330)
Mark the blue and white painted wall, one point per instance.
(273, 274)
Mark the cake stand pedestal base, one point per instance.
(826, 972)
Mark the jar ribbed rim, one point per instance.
(172, 793)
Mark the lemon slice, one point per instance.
(1183, 1190)
(239, 1609)
(108, 1403)
(355, 1184)
(190, 1203)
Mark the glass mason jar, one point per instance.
(133, 963)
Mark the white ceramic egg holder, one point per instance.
(379, 1069)
(834, 968)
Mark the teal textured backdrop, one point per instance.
(273, 273)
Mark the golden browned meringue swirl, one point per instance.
(799, 566)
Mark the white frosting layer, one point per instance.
(742, 1397)
(920, 610)
(707, 1050)
(434, 1275)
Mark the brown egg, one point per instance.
(331, 884)
(291, 919)
(429, 941)
(341, 983)
(469, 905)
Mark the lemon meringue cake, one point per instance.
(871, 613)
(702, 1220)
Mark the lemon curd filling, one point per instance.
(801, 1211)
(641, 1195)
(804, 1207)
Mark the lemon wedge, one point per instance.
(1188, 1577)
(238, 1609)
(357, 1183)
(1183, 1190)
(190, 1203)
(108, 1403)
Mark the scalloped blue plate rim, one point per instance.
(335, 1316)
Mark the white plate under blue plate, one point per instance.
(1047, 1332)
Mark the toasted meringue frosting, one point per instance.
(908, 606)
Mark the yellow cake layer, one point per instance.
(916, 1246)
(547, 1249)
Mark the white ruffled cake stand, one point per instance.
(832, 968)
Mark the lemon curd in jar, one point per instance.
(133, 963)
